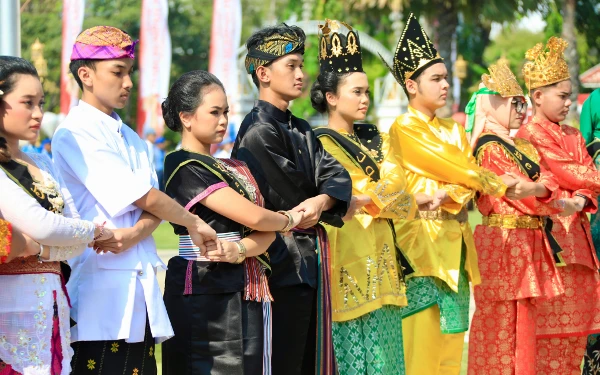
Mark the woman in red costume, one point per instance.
(516, 252)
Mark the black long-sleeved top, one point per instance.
(290, 166)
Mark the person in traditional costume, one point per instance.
(293, 172)
(117, 302)
(8, 247)
(217, 303)
(12, 243)
(34, 313)
(6, 242)
(589, 125)
(517, 252)
(366, 266)
(437, 159)
(563, 322)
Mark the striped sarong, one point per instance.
(256, 289)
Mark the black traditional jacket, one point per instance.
(290, 166)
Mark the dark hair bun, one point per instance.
(186, 95)
(317, 97)
(326, 82)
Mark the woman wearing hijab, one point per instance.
(517, 254)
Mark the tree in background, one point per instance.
(42, 19)
(449, 18)
(190, 27)
(577, 22)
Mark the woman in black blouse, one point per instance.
(218, 302)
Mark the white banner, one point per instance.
(224, 43)
(154, 64)
(72, 22)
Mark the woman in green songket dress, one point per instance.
(367, 288)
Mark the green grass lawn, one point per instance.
(474, 218)
(165, 238)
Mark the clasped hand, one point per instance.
(357, 203)
(517, 188)
(432, 202)
(311, 210)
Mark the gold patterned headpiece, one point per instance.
(546, 65)
(339, 53)
(275, 46)
(103, 43)
(414, 53)
(502, 80)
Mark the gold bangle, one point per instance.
(290, 223)
(241, 252)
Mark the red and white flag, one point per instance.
(72, 23)
(154, 65)
(224, 43)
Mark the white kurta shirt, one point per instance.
(106, 168)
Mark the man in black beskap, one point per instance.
(293, 172)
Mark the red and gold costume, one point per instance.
(563, 322)
(5, 240)
(516, 266)
(516, 260)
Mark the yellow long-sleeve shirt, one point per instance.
(435, 154)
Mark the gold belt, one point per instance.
(461, 217)
(512, 221)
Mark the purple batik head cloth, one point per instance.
(103, 43)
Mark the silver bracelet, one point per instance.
(39, 256)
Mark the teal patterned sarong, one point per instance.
(370, 344)
(424, 292)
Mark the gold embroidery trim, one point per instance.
(512, 221)
(461, 217)
(376, 273)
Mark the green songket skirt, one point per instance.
(370, 344)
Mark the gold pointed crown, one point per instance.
(339, 52)
(546, 65)
(502, 80)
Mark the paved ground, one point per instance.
(165, 255)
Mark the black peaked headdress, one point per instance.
(414, 52)
(339, 53)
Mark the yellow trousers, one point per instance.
(427, 351)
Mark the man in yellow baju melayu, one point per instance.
(437, 159)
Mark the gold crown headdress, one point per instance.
(502, 80)
(546, 65)
(339, 53)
